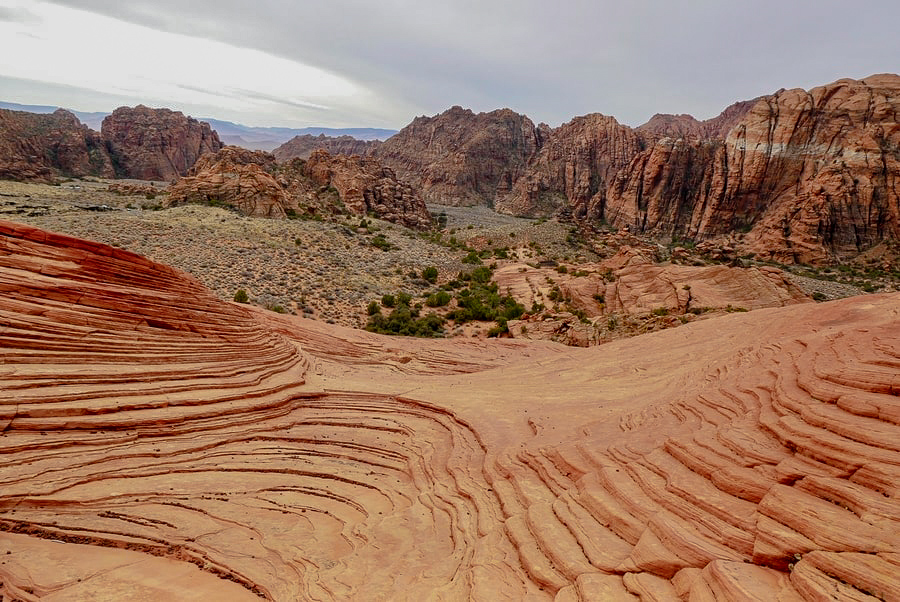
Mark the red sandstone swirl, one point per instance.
(158, 444)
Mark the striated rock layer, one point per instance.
(806, 174)
(156, 144)
(42, 147)
(158, 444)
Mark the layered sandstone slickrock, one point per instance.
(41, 147)
(148, 429)
(237, 177)
(300, 147)
(156, 144)
(463, 158)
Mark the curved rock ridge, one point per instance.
(156, 144)
(146, 427)
(300, 147)
(43, 147)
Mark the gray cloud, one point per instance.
(551, 61)
(17, 15)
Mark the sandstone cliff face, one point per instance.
(300, 147)
(156, 144)
(814, 172)
(463, 158)
(365, 184)
(575, 165)
(664, 125)
(807, 175)
(236, 177)
(41, 147)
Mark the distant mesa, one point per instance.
(300, 147)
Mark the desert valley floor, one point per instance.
(157, 443)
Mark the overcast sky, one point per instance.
(379, 63)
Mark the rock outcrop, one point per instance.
(235, 177)
(254, 184)
(573, 167)
(300, 147)
(42, 147)
(156, 144)
(807, 175)
(157, 443)
(365, 184)
(664, 125)
(463, 158)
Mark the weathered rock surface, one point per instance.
(43, 147)
(236, 177)
(156, 144)
(300, 147)
(148, 429)
(463, 158)
(252, 183)
(807, 175)
(586, 303)
(573, 167)
(365, 184)
(664, 125)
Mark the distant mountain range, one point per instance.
(253, 138)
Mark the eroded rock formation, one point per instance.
(157, 443)
(463, 158)
(252, 183)
(807, 175)
(573, 167)
(235, 177)
(43, 147)
(365, 184)
(300, 147)
(156, 144)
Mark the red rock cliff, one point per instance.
(41, 147)
(156, 144)
(463, 158)
(574, 165)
